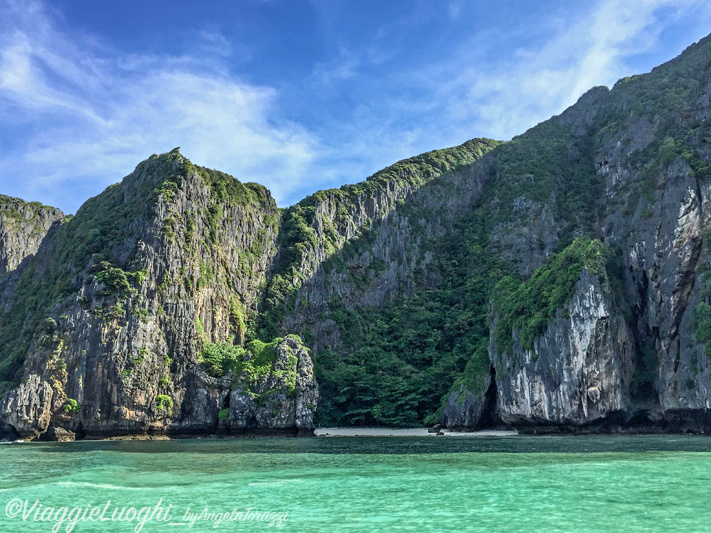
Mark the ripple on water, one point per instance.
(622, 483)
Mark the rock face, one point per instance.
(641, 361)
(23, 225)
(578, 371)
(370, 276)
(141, 280)
(466, 406)
(286, 398)
(559, 281)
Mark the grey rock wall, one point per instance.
(578, 371)
(23, 226)
(130, 362)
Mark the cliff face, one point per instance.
(149, 275)
(561, 280)
(577, 371)
(349, 304)
(23, 225)
(384, 243)
(318, 230)
(641, 150)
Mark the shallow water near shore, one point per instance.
(556, 483)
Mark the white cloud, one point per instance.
(505, 99)
(495, 82)
(83, 115)
(102, 113)
(342, 68)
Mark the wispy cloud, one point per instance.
(101, 113)
(341, 68)
(82, 114)
(505, 98)
(495, 81)
(454, 8)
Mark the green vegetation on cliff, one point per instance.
(250, 365)
(299, 236)
(528, 306)
(89, 238)
(219, 359)
(397, 363)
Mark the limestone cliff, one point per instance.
(387, 243)
(23, 225)
(578, 371)
(367, 247)
(108, 329)
(637, 160)
(558, 281)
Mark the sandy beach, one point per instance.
(406, 432)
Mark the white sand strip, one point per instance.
(406, 432)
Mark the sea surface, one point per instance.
(498, 484)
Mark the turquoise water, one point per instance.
(549, 484)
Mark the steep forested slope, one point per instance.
(562, 279)
(404, 312)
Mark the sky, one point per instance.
(299, 95)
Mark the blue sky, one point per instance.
(298, 95)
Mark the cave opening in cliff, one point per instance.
(489, 417)
(8, 432)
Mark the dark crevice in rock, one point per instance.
(222, 424)
(645, 339)
(489, 416)
(643, 389)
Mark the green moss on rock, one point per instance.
(529, 306)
